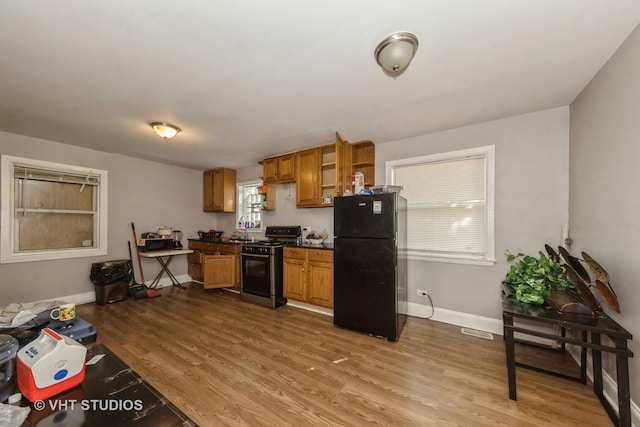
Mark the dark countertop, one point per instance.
(216, 240)
(325, 246)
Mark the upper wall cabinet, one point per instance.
(322, 173)
(363, 159)
(308, 177)
(279, 169)
(219, 190)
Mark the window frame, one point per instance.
(7, 213)
(488, 153)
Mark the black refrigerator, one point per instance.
(370, 268)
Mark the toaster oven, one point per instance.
(158, 244)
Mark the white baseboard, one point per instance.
(77, 299)
(87, 297)
(310, 307)
(165, 281)
(466, 320)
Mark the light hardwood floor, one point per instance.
(227, 362)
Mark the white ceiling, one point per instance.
(253, 78)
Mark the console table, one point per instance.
(587, 333)
(164, 258)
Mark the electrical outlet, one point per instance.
(422, 293)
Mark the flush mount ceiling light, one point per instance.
(395, 52)
(164, 130)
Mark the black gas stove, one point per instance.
(277, 237)
(261, 278)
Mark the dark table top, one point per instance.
(600, 324)
(112, 394)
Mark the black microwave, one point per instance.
(150, 245)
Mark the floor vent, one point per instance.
(477, 333)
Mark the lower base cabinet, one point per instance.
(308, 275)
(216, 265)
(219, 271)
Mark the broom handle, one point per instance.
(135, 240)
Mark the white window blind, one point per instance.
(450, 204)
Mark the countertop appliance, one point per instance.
(155, 244)
(261, 261)
(370, 278)
(177, 239)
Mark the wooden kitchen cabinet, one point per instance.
(286, 168)
(293, 276)
(308, 167)
(308, 275)
(214, 264)
(336, 170)
(363, 159)
(218, 271)
(322, 174)
(219, 190)
(279, 169)
(320, 278)
(343, 165)
(207, 191)
(270, 170)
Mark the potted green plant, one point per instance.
(532, 279)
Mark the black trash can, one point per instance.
(111, 280)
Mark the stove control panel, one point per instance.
(257, 250)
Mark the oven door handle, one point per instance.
(255, 255)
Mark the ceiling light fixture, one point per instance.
(395, 52)
(164, 130)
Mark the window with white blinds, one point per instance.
(450, 204)
(51, 211)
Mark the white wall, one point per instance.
(604, 174)
(146, 193)
(531, 202)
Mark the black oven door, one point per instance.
(256, 274)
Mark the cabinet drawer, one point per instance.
(231, 249)
(321, 255)
(195, 257)
(194, 244)
(208, 246)
(296, 253)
